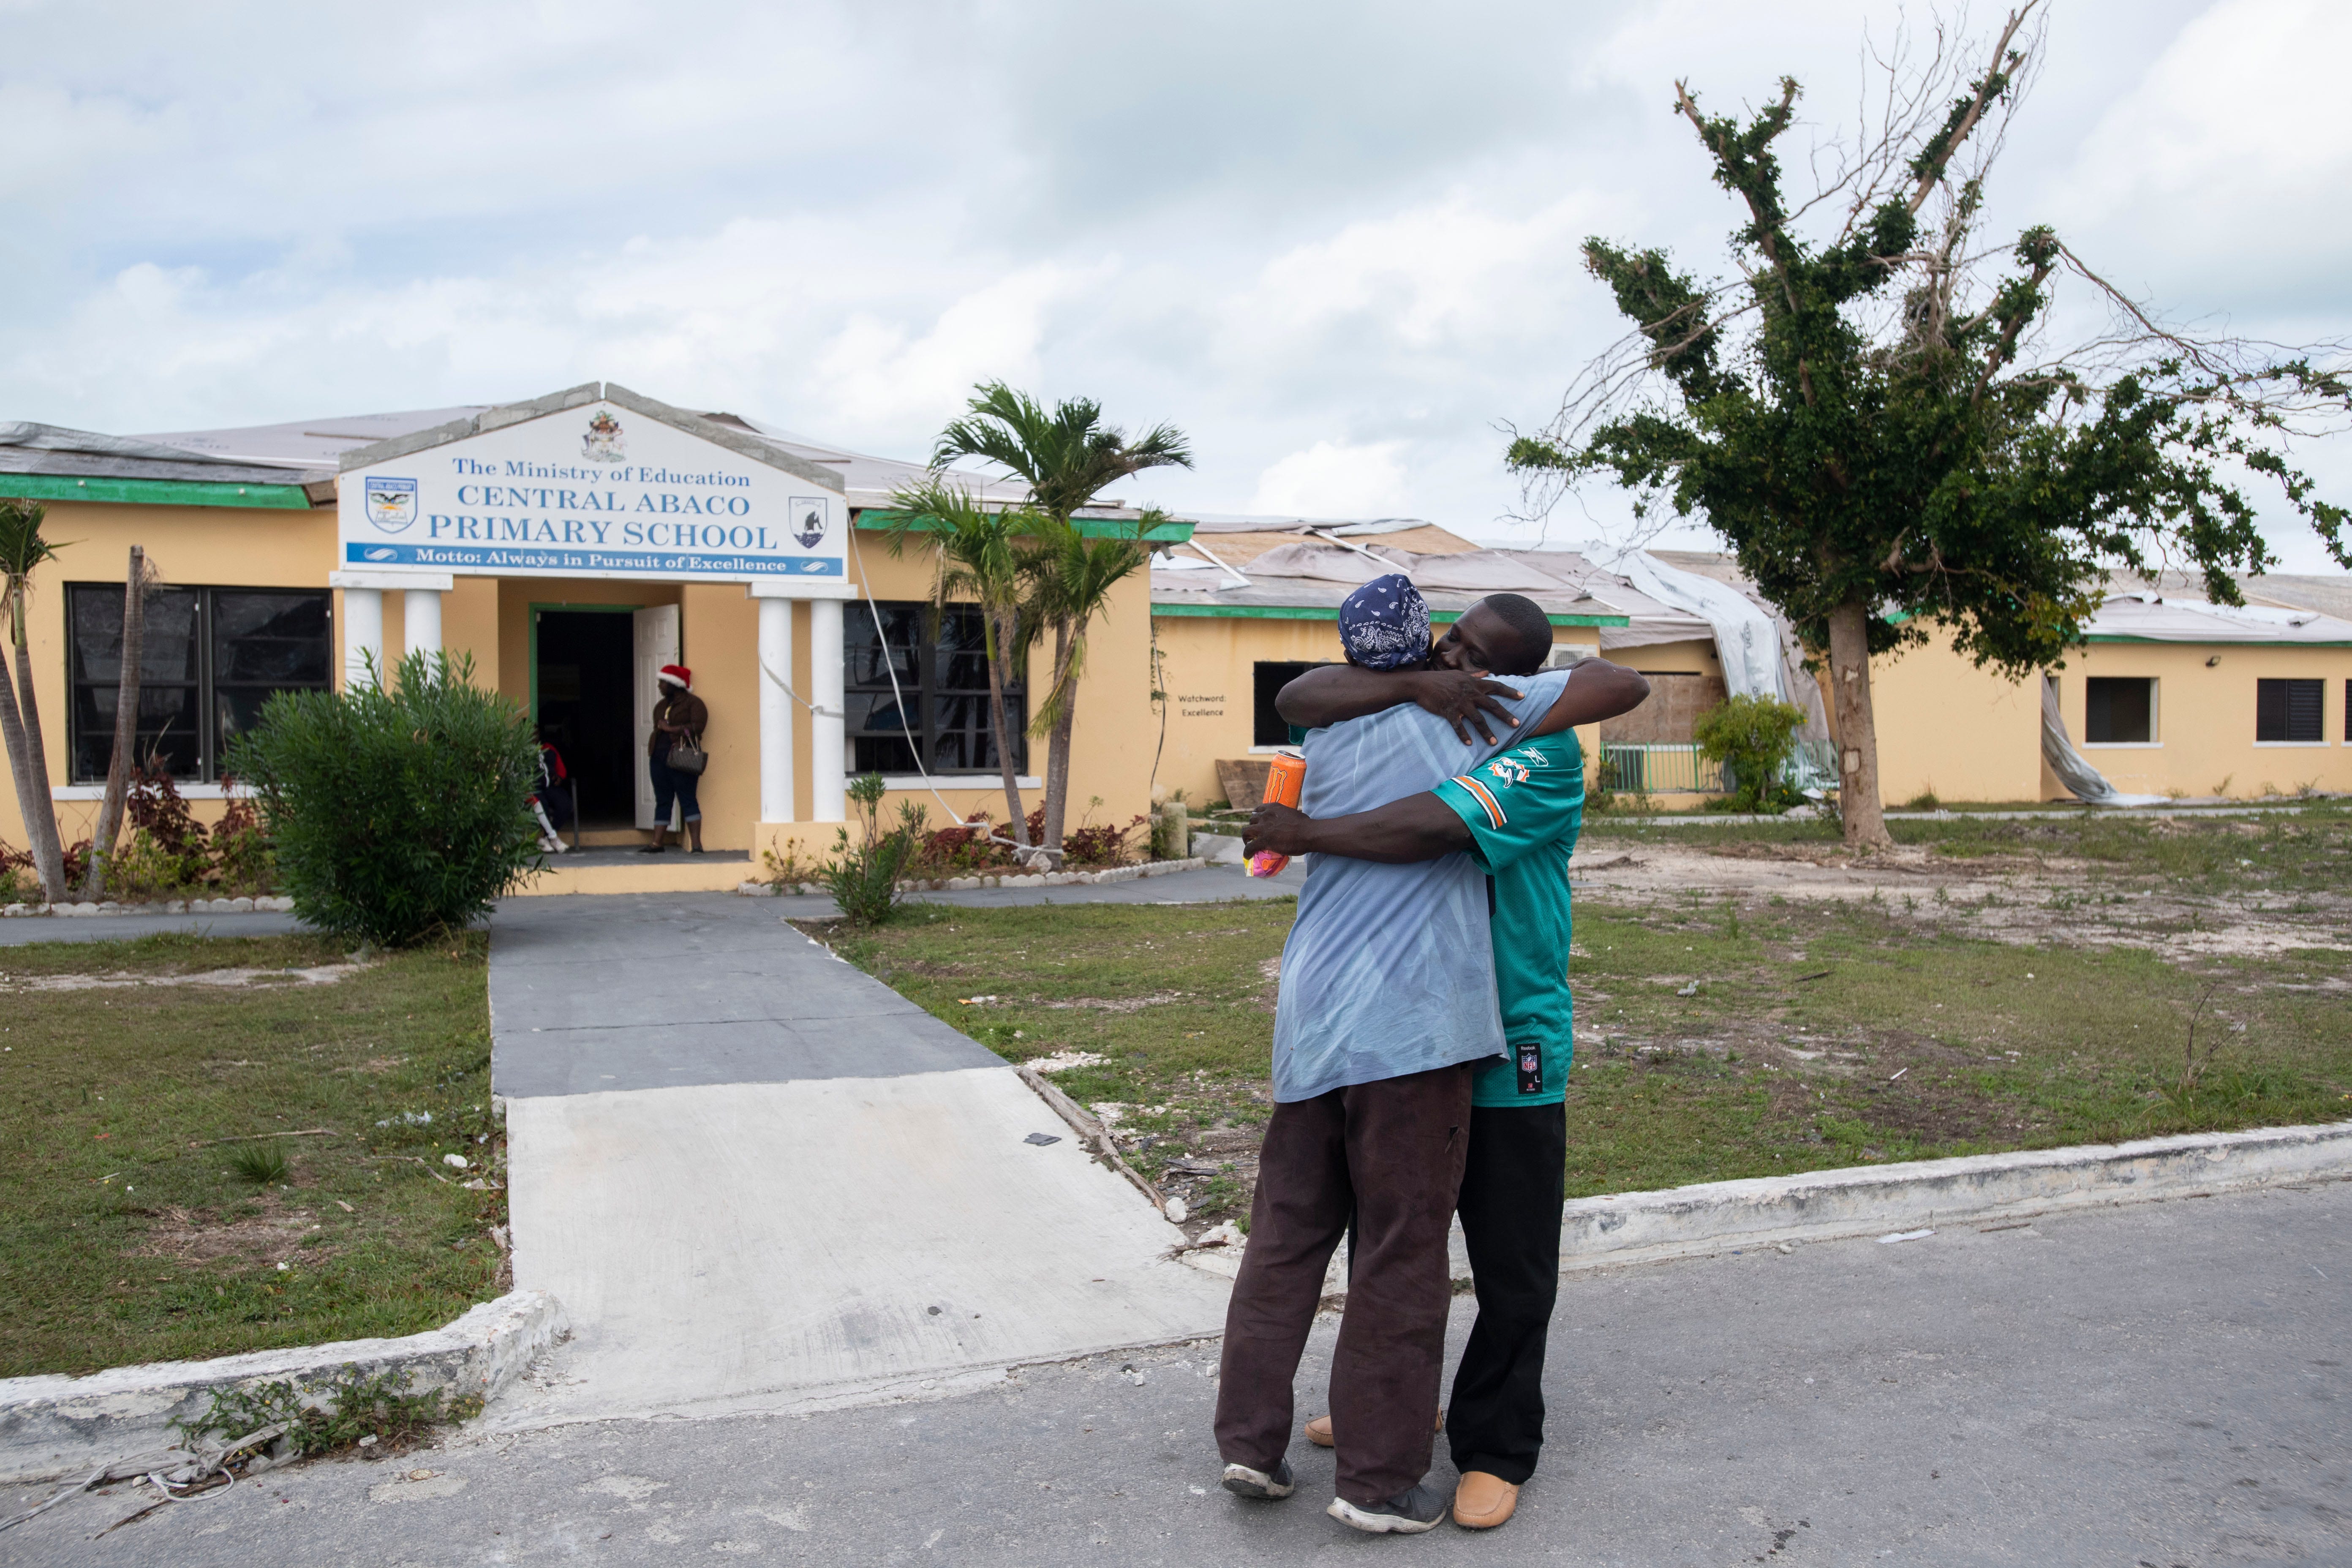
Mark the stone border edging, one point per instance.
(972, 884)
(157, 906)
(56, 1426)
(1866, 1200)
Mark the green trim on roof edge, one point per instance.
(1331, 613)
(1170, 532)
(155, 492)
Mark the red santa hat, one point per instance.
(677, 675)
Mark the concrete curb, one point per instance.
(1870, 1200)
(51, 1426)
(1627, 1229)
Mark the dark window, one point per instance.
(1267, 728)
(212, 658)
(2119, 711)
(940, 658)
(2287, 709)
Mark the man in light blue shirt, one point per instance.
(1388, 994)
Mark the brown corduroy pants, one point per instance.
(1391, 1152)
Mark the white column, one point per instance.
(420, 620)
(775, 711)
(362, 636)
(827, 749)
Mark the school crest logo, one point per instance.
(390, 503)
(809, 521)
(603, 444)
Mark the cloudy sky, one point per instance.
(1336, 243)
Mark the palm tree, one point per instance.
(982, 555)
(1072, 577)
(1068, 456)
(22, 548)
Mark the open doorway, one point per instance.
(583, 696)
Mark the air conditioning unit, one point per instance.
(1564, 654)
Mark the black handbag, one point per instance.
(685, 757)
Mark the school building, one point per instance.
(571, 545)
(568, 547)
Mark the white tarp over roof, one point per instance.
(2151, 617)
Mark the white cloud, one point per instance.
(1332, 479)
(1345, 241)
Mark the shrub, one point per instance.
(1086, 845)
(399, 814)
(863, 877)
(1754, 737)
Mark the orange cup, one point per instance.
(1284, 782)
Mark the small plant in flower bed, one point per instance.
(168, 854)
(1087, 845)
(962, 848)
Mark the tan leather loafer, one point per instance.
(1483, 1501)
(1318, 1431)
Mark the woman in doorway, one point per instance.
(678, 720)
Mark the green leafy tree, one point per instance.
(984, 555)
(395, 815)
(1067, 457)
(21, 549)
(1754, 737)
(1863, 415)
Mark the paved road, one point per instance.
(2148, 1386)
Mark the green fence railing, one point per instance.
(1661, 769)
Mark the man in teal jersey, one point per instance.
(1517, 815)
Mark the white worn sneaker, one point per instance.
(1242, 1482)
(1408, 1513)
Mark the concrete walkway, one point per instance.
(759, 1180)
(2159, 1384)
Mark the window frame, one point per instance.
(926, 693)
(205, 685)
(2318, 736)
(2155, 741)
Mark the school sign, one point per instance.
(595, 482)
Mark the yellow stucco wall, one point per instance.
(1209, 665)
(1111, 745)
(195, 546)
(2205, 719)
(489, 619)
(1947, 727)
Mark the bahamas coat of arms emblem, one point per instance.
(603, 444)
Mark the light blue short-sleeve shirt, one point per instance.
(1390, 969)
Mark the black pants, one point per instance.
(1509, 1205)
(1510, 1222)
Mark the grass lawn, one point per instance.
(1817, 1034)
(139, 1217)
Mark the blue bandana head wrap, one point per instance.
(1384, 624)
